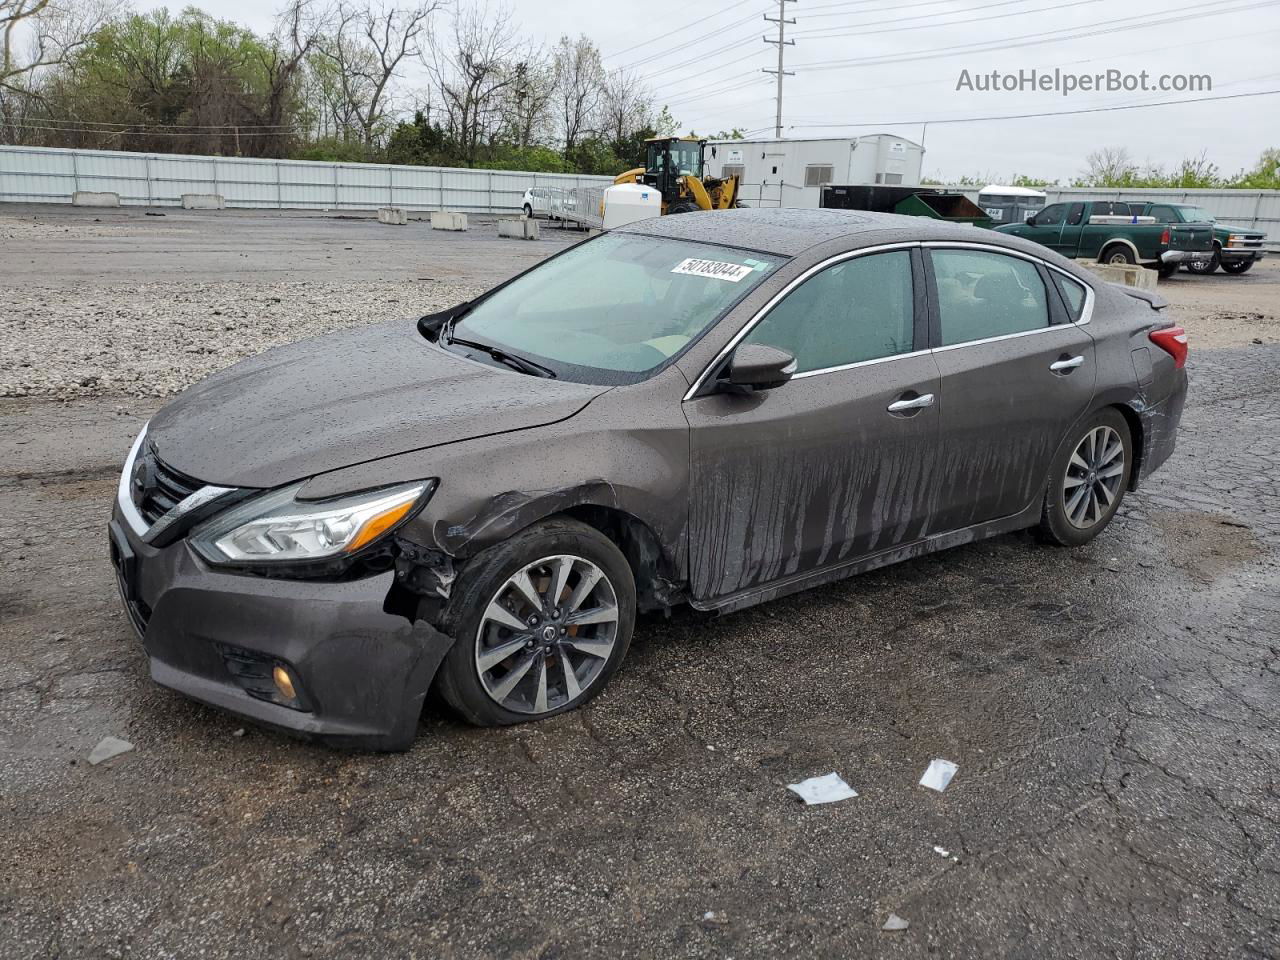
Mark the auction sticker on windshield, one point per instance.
(715, 269)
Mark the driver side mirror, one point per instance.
(1031, 220)
(755, 366)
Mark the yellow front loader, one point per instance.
(673, 166)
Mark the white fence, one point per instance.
(49, 175)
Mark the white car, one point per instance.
(539, 201)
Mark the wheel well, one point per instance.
(1119, 243)
(643, 550)
(1136, 436)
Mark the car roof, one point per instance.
(790, 231)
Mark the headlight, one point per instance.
(276, 527)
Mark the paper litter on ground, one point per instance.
(895, 922)
(942, 851)
(107, 748)
(938, 775)
(826, 789)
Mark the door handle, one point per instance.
(918, 403)
(1059, 365)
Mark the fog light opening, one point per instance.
(284, 683)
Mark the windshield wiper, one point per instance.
(512, 360)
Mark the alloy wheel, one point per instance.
(547, 634)
(1094, 474)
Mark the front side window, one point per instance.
(1051, 216)
(861, 309)
(983, 295)
(612, 309)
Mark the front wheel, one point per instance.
(541, 622)
(1237, 266)
(683, 206)
(1088, 481)
(528, 211)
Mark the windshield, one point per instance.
(1196, 215)
(620, 303)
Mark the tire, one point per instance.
(1237, 267)
(1205, 267)
(1071, 522)
(1167, 270)
(484, 691)
(528, 211)
(683, 206)
(1118, 255)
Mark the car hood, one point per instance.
(346, 398)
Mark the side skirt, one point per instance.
(840, 571)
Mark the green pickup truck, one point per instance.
(1235, 249)
(1110, 232)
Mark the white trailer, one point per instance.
(792, 173)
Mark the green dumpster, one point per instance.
(954, 207)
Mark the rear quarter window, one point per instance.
(1073, 294)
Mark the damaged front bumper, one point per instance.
(361, 673)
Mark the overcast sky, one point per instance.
(709, 72)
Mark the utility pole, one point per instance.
(782, 42)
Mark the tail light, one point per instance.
(1164, 237)
(1173, 341)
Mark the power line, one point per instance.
(1194, 11)
(858, 31)
(679, 29)
(1025, 116)
(84, 124)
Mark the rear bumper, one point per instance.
(1186, 256)
(1160, 426)
(361, 673)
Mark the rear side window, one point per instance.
(858, 310)
(982, 295)
(1072, 292)
(1075, 214)
(1164, 214)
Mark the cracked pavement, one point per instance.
(1112, 710)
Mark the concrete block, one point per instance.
(448, 220)
(1126, 276)
(518, 228)
(392, 215)
(203, 201)
(87, 198)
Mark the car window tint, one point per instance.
(983, 295)
(1164, 214)
(1072, 293)
(858, 310)
(1075, 214)
(1051, 215)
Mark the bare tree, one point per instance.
(53, 30)
(1109, 166)
(528, 102)
(486, 60)
(369, 42)
(579, 83)
(626, 106)
(296, 33)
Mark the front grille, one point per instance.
(158, 488)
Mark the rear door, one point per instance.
(1016, 372)
(838, 462)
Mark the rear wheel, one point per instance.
(1088, 481)
(1237, 266)
(542, 622)
(1118, 256)
(1206, 266)
(528, 211)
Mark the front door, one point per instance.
(1016, 374)
(820, 470)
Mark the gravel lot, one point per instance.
(1112, 709)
